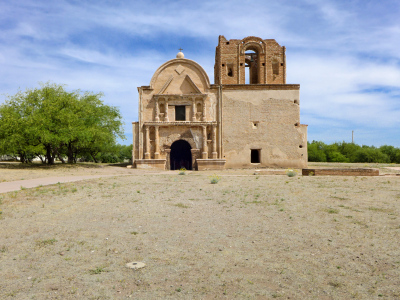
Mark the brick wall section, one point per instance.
(340, 172)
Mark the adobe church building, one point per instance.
(249, 117)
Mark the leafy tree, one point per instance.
(392, 152)
(15, 131)
(57, 123)
(316, 151)
(348, 150)
(125, 152)
(116, 153)
(371, 154)
(333, 154)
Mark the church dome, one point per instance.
(180, 55)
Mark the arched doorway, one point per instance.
(181, 156)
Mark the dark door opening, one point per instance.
(181, 156)
(255, 156)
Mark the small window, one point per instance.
(180, 113)
(255, 156)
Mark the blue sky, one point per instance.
(344, 54)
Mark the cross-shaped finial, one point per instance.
(180, 49)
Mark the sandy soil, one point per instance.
(247, 237)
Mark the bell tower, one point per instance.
(251, 60)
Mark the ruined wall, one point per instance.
(265, 120)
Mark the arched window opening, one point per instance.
(251, 67)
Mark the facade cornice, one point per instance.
(179, 123)
(179, 96)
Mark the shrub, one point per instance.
(291, 173)
(214, 179)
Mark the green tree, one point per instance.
(316, 151)
(348, 150)
(16, 139)
(333, 154)
(370, 155)
(51, 121)
(392, 152)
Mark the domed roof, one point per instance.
(180, 54)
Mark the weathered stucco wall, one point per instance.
(267, 120)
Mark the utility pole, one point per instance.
(352, 136)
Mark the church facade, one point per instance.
(249, 117)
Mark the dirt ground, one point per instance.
(246, 237)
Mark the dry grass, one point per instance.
(255, 237)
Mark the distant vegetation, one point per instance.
(353, 153)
